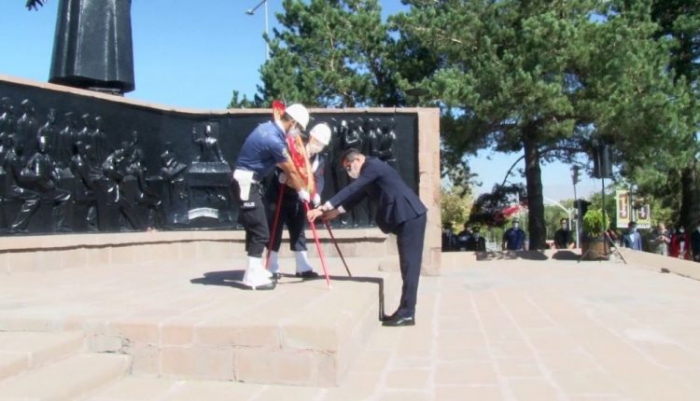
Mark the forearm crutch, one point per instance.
(318, 247)
(337, 247)
(273, 233)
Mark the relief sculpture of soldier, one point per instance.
(387, 147)
(50, 132)
(114, 170)
(27, 127)
(87, 177)
(92, 46)
(7, 125)
(33, 182)
(98, 141)
(66, 138)
(173, 173)
(140, 191)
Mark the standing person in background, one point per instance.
(514, 238)
(449, 240)
(463, 238)
(695, 242)
(680, 244)
(562, 237)
(476, 242)
(661, 240)
(632, 238)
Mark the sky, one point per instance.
(193, 54)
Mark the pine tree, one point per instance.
(330, 53)
(543, 78)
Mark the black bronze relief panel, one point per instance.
(70, 163)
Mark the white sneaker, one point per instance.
(256, 277)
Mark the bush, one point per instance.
(594, 223)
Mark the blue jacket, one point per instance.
(397, 203)
(264, 148)
(632, 240)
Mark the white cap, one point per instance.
(299, 113)
(322, 133)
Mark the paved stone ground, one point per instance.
(509, 330)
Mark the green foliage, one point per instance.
(331, 54)
(593, 224)
(542, 78)
(455, 205)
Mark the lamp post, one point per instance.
(575, 179)
(267, 28)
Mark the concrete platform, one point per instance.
(510, 329)
(192, 319)
(531, 327)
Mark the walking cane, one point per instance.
(274, 226)
(318, 247)
(337, 247)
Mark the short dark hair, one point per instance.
(349, 155)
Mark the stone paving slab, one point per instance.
(192, 320)
(499, 329)
(512, 330)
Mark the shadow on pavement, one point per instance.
(566, 255)
(233, 278)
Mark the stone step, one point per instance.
(21, 351)
(67, 379)
(189, 320)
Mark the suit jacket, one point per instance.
(397, 203)
(632, 240)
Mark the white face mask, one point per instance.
(681, 230)
(516, 225)
(313, 148)
(294, 132)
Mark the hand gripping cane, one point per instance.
(337, 247)
(318, 247)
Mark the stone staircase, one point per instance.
(53, 366)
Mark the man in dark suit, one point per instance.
(399, 212)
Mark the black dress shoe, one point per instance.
(400, 321)
(264, 287)
(276, 276)
(307, 274)
(387, 318)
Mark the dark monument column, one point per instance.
(93, 46)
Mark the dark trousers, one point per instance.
(252, 216)
(293, 215)
(409, 238)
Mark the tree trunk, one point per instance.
(690, 196)
(535, 201)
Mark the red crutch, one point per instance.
(318, 247)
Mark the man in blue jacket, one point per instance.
(400, 212)
(632, 238)
(262, 150)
